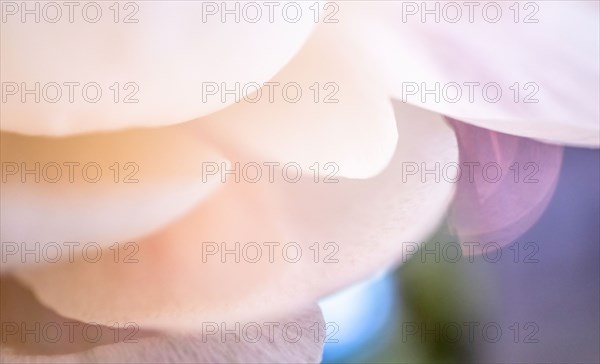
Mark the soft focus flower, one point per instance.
(379, 125)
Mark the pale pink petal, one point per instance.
(551, 51)
(52, 338)
(511, 182)
(103, 188)
(177, 284)
(162, 60)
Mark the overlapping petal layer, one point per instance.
(91, 65)
(365, 224)
(101, 188)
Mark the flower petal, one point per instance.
(325, 106)
(102, 188)
(509, 187)
(541, 56)
(52, 338)
(179, 282)
(162, 60)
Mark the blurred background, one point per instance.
(539, 302)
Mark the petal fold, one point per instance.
(325, 106)
(528, 69)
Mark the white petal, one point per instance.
(554, 61)
(102, 188)
(176, 284)
(343, 115)
(166, 56)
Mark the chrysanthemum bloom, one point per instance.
(132, 138)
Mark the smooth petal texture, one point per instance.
(508, 189)
(280, 341)
(102, 188)
(326, 106)
(162, 60)
(553, 60)
(177, 285)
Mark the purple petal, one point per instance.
(511, 184)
